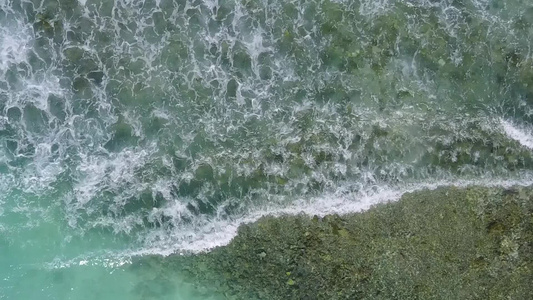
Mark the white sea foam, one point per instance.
(37, 92)
(520, 133)
(14, 45)
(114, 171)
(375, 7)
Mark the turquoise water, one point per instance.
(131, 128)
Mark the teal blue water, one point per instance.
(131, 128)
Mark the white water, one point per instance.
(521, 134)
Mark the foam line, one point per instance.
(219, 232)
(521, 134)
(222, 232)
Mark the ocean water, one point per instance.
(154, 127)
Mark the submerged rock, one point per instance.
(449, 243)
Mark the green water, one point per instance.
(130, 128)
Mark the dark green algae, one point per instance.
(448, 243)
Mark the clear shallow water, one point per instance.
(130, 128)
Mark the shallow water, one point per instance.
(130, 127)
